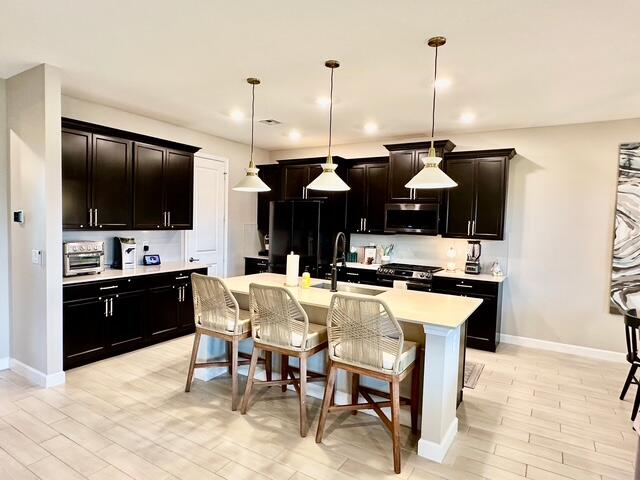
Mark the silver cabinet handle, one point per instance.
(106, 307)
(468, 227)
(168, 219)
(90, 218)
(182, 277)
(473, 227)
(182, 294)
(95, 217)
(111, 307)
(463, 285)
(365, 223)
(164, 219)
(184, 290)
(110, 287)
(351, 274)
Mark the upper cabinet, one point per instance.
(405, 160)
(118, 180)
(270, 174)
(476, 207)
(366, 199)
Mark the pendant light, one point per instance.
(329, 180)
(431, 176)
(251, 181)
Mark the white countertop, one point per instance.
(483, 277)
(422, 308)
(114, 274)
(363, 266)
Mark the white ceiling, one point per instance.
(514, 63)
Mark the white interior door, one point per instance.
(206, 243)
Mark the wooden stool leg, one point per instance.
(303, 395)
(268, 365)
(632, 372)
(395, 422)
(415, 394)
(326, 401)
(284, 370)
(636, 404)
(355, 385)
(228, 349)
(252, 371)
(234, 373)
(192, 362)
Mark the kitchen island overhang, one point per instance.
(441, 318)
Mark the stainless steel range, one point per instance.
(418, 277)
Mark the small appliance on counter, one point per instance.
(83, 258)
(124, 253)
(473, 257)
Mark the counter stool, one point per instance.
(279, 324)
(217, 315)
(366, 339)
(631, 326)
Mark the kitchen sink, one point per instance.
(350, 289)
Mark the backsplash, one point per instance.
(167, 244)
(427, 250)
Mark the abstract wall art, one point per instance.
(625, 270)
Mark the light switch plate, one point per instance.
(36, 257)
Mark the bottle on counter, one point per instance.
(306, 278)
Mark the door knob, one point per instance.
(191, 259)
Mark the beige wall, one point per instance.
(4, 232)
(242, 206)
(33, 118)
(562, 189)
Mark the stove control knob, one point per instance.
(82, 248)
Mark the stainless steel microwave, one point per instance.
(411, 218)
(83, 257)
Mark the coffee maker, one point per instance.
(473, 257)
(124, 253)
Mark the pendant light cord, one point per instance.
(329, 159)
(433, 105)
(253, 108)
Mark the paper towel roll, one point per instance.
(293, 267)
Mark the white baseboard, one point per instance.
(437, 451)
(4, 363)
(589, 352)
(36, 376)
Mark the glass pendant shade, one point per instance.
(251, 182)
(329, 180)
(431, 176)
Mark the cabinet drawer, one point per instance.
(173, 278)
(464, 286)
(99, 288)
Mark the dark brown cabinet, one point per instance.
(254, 265)
(476, 207)
(96, 181)
(295, 179)
(483, 326)
(271, 175)
(367, 197)
(405, 160)
(118, 180)
(105, 318)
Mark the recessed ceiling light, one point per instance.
(236, 115)
(370, 128)
(295, 135)
(468, 117)
(443, 84)
(323, 102)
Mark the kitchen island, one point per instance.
(440, 317)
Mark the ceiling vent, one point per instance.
(270, 121)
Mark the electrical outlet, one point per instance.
(36, 257)
(145, 246)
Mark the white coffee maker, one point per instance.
(124, 255)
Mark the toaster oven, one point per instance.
(83, 258)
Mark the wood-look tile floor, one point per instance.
(533, 414)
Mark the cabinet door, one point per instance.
(111, 182)
(377, 181)
(401, 170)
(178, 183)
(460, 199)
(357, 198)
(425, 194)
(84, 335)
(185, 309)
(271, 176)
(313, 171)
(490, 198)
(294, 180)
(481, 325)
(125, 324)
(148, 165)
(162, 308)
(76, 164)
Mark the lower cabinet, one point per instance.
(106, 318)
(255, 265)
(357, 275)
(483, 326)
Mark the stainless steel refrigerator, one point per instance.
(304, 227)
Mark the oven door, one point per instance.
(76, 263)
(411, 218)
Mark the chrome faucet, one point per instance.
(343, 259)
